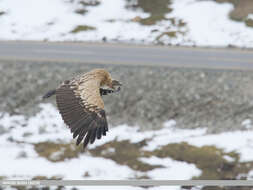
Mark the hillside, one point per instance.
(167, 22)
(196, 124)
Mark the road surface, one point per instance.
(126, 54)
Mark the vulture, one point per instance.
(80, 104)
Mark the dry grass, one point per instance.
(57, 152)
(156, 9)
(209, 159)
(84, 4)
(82, 28)
(125, 153)
(249, 22)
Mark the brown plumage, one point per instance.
(81, 106)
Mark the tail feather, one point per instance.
(49, 94)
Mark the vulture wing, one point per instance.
(82, 109)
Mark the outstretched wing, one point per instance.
(82, 112)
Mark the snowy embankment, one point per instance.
(47, 126)
(24, 158)
(191, 22)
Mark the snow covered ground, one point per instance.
(207, 23)
(21, 161)
(50, 122)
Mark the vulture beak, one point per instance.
(115, 84)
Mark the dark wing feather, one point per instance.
(83, 123)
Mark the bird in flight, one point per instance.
(81, 106)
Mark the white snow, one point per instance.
(250, 16)
(30, 20)
(13, 143)
(48, 119)
(171, 134)
(247, 123)
(228, 158)
(98, 168)
(207, 23)
(173, 170)
(239, 141)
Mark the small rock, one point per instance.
(10, 139)
(42, 130)
(3, 130)
(27, 134)
(22, 154)
(86, 174)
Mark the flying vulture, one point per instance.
(81, 106)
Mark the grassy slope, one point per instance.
(209, 159)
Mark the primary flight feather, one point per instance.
(81, 106)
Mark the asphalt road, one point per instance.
(126, 54)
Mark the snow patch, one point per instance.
(13, 143)
(173, 170)
(56, 131)
(229, 158)
(207, 23)
(247, 124)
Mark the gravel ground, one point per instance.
(219, 100)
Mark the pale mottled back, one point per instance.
(88, 85)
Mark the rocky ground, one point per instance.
(220, 100)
